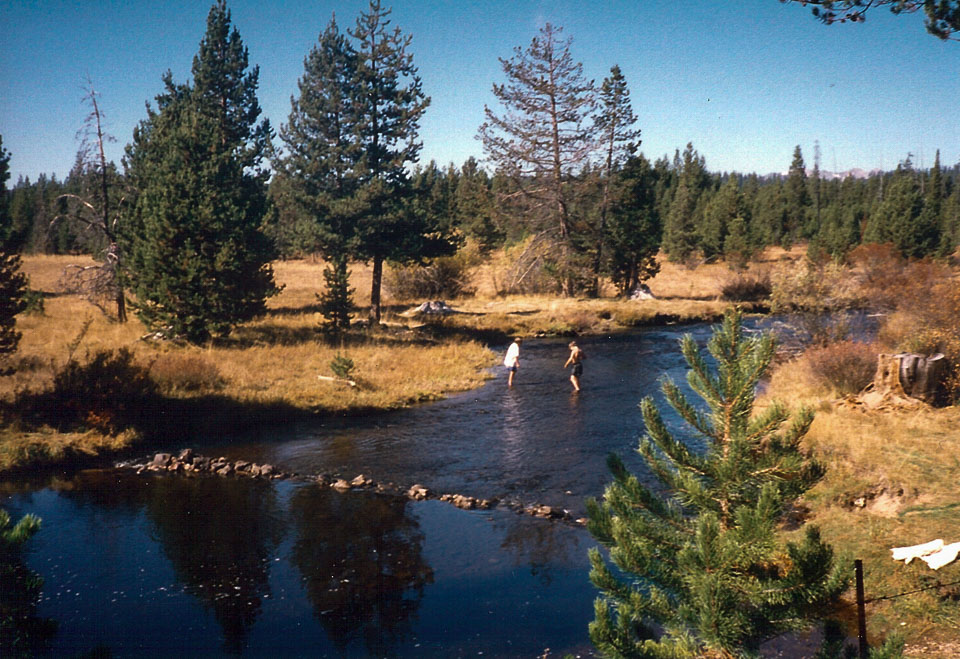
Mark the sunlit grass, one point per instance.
(891, 481)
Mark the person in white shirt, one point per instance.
(512, 360)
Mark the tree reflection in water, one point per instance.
(361, 559)
(219, 534)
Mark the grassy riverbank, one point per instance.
(891, 478)
(891, 481)
(269, 368)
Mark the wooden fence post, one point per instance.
(861, 610)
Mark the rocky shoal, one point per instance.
(189, 463)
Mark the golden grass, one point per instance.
(891, 481)
(276, 360)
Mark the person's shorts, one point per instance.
(512, 369)
(577, 370)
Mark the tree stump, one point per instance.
(904, 380)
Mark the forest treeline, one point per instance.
(702, 214)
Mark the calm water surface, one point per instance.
(168, 566)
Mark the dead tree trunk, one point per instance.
(904, 379)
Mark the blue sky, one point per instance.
(744, 81)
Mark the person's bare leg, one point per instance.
(576, 382)
(510, 379)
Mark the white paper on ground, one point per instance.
(907, 554)
(946, 555)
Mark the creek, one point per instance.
(164, 565)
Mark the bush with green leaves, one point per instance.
(699, 567)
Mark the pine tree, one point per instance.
(797, 198)
(22, 632)
(543, 136)
(704, 573)
(900, 217)
(614, 125)
(94, 206)
(196, 258)
(680, 228)
(13, 283)
(474, 206)
(720, 212)
(769, 214)
(390, 103)
(336, 300)
(318, 174)
(942, 17)
(634, 228)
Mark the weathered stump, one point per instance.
(904, 380)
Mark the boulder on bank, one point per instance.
(434, 308)
(641, 292)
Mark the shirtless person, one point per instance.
(575, 360)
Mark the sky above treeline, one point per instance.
(744, 81)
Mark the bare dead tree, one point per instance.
(542, 137)
(94, 211)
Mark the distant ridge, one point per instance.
(856, 172)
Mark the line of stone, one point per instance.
(187, 462)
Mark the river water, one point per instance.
(161, 565)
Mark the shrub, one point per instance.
(444, 277)
(107, 392)
(746, 287)
(812, 292)
(846, 366)
(175, 373)
(342, 366)
(885, 278)
(33, 300)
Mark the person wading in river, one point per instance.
(575, 361)
(512, 360)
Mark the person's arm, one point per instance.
(569, 360)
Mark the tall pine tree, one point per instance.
(634, 228)
(196, 258)
(681, 225)
(389, 104)
(797, 198)
(544, 137)
(13, 283)
(614, 126)
(319, 166)
(700, 570)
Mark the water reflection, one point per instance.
(361, 559)
(219, 535)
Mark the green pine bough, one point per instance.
(698, 568)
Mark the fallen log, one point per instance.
(327, 378)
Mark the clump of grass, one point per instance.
(179, 373)
(846, 366)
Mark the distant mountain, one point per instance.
(856, 172)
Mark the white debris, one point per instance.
(946, 555)
(907, 554)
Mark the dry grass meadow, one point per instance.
(891, 481)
